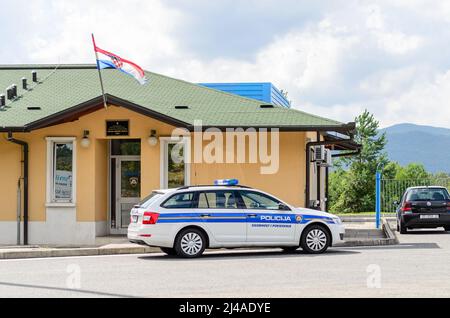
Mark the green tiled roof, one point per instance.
(63, 87)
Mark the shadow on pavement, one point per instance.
(71, 290)
(426, 232)
(247, 254)
(402, 246)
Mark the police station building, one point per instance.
(71, 168)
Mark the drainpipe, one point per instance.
(308, 162)
(25, 184)
(19, 210)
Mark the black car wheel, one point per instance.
(447, 228)
(403, 229)
(190, 243)
(315, 239)
(168, 251)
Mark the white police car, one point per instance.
(187, 220)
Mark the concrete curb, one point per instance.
(392, 235)
(66, 252)
(391, 238)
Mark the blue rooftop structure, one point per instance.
(265, 92)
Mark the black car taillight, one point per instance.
(407, 207)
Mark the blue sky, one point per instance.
(335, 58)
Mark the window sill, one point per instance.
(60, 205)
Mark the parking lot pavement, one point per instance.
(427, 236)
(417, 267)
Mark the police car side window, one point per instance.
(180, 201)
(255, 200)
(203, 201)
(217, 200)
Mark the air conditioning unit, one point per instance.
(319, 154)
(322, 156)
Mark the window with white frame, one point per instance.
(175, 168)
(61, 170)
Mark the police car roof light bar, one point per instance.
(226, 182)
(212, 185)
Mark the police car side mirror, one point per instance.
(283, 207)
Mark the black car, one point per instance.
(424, 207)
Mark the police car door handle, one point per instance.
(252, 215)
(205, 215)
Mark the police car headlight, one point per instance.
(337, 220)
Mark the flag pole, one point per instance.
(99, 72)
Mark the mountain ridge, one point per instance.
(408, 143)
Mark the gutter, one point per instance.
(25, 184)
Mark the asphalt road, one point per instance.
(419, 266)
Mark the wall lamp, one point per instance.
(152, 139)
(85, 141)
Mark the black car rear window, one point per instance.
(428, 194)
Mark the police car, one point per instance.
(187, 220)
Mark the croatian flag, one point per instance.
(107, 59)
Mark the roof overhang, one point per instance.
(75, 112)
(344, 144)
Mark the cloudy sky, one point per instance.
(334, 58)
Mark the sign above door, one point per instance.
(117, 128)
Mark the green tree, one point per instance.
(354, 191)
(413, 171)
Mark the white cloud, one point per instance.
(135, 29)
(387, 56)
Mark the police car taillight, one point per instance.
(227, 182)
(150, 218)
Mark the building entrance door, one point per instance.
(125, 187)
(128, 189)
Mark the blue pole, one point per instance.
(378, 199)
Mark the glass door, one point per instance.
(128, 189)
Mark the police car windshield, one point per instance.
(152, 197)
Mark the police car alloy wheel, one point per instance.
(315, 239)
(190, 243)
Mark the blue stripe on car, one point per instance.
(238, 218)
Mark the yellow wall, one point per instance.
(288, 183)
(91, 163)
(92, 171)
(10, 170)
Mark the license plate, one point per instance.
(432, 216)
(134, 218)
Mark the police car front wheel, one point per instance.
(190, 243)
(315, 239)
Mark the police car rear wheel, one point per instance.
(315, 240)
(190, 243)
